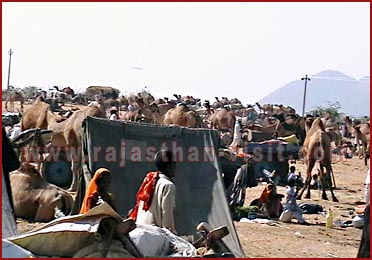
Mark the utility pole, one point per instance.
(303, 104)
(10, 59)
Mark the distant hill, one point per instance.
(329, 85)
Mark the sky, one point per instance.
(244, 50)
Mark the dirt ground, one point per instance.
(314, 241)
(297, 241)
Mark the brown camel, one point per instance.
(149, 113)
(38, 116)
(66, 90)
(293, 126)
(123, 101)
(317, 147)
(266, 109)
(361, 132)
(68, 134)
(223, 119)
(334, 135)
(182, 116)
(131, 116)
(13, 97)
(35, 198)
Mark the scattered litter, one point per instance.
(332, 255)
(273, 223)
(327, 243)
(246, 220)
(258, 220)
(298, 234)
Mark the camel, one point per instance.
(146, 97)
(334, 135)
(223, 119)
(361, 133)
(123, 101)
(149, 113)
(182, 116)
(266, 109)
(131, 116)
(216, 104)
(292, 125)
(35, 198)
(317, 147)
(13, 97)
(68, 134)
(67, 90)
(38, 116)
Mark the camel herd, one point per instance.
(314, 134)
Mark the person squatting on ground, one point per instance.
(98, 191)
(269, 201)
(155, 200)
(291, 209)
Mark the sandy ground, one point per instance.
(293, 240)
(315, 241)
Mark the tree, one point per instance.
(332, 109)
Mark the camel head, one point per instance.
(29, 169)
(153, 107)
(317, 124)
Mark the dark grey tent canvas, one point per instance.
(9, 225)
(127, 149)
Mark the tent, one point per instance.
(128, 149)
(10, 162)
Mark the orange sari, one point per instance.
(92, 193)
(266, 193)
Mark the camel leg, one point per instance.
(76, 167)
(310, 166)
(308, 177)
(328, 176)
(323, 180)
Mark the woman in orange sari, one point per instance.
(98, 191)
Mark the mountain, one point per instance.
(324, 88)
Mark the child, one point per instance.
(291, 209)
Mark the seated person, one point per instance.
(98, 191)
(269, 201)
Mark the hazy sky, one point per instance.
(243, 50)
